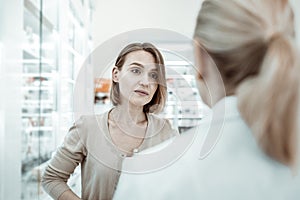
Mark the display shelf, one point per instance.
(36, 115)
(187, 102)
(56, 40)
(40, 102)
(36, 88)
(45, 75)
(172, 116)
(36, 61)
(30, 180)
(40, 128)
(102, 95)
(178, 76)
(31, 12)
(184, 107)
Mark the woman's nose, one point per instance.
(144, 79)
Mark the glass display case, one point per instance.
(38, 91)
(56, 39)
(184, 107)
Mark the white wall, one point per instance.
(113, 17)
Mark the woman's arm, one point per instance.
(68, 195)
(63, 164)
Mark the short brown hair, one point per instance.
(159, 98)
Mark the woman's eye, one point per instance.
(154, 76)
(136, 71)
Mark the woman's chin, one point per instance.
(139, 102)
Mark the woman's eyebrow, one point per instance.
(142, 66)
(138, 64)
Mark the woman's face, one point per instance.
(138, 79)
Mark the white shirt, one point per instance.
(236, 168)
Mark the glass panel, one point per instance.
(54, 38)
(39, 94)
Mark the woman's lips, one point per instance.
(141, 92)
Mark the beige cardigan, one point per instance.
(88, 143)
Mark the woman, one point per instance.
(257, 60)
(100, 143)
(254, 154)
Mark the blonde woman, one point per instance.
(100, 143)
(249, 44)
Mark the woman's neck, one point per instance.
(131, 121)
(129, 114)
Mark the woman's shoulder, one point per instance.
(92, 119)
(159, 123)
(89, 125)
(156, 118)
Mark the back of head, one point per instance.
(251, 42)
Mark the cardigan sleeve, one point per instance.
(62, 165)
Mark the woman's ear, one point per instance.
(210, 82)
(201, 61)
(115, 74)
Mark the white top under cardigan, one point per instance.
(89, 143)
(235, 169)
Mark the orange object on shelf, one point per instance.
(102, 85)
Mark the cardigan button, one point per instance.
(135, 150)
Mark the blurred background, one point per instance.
(43, 46)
